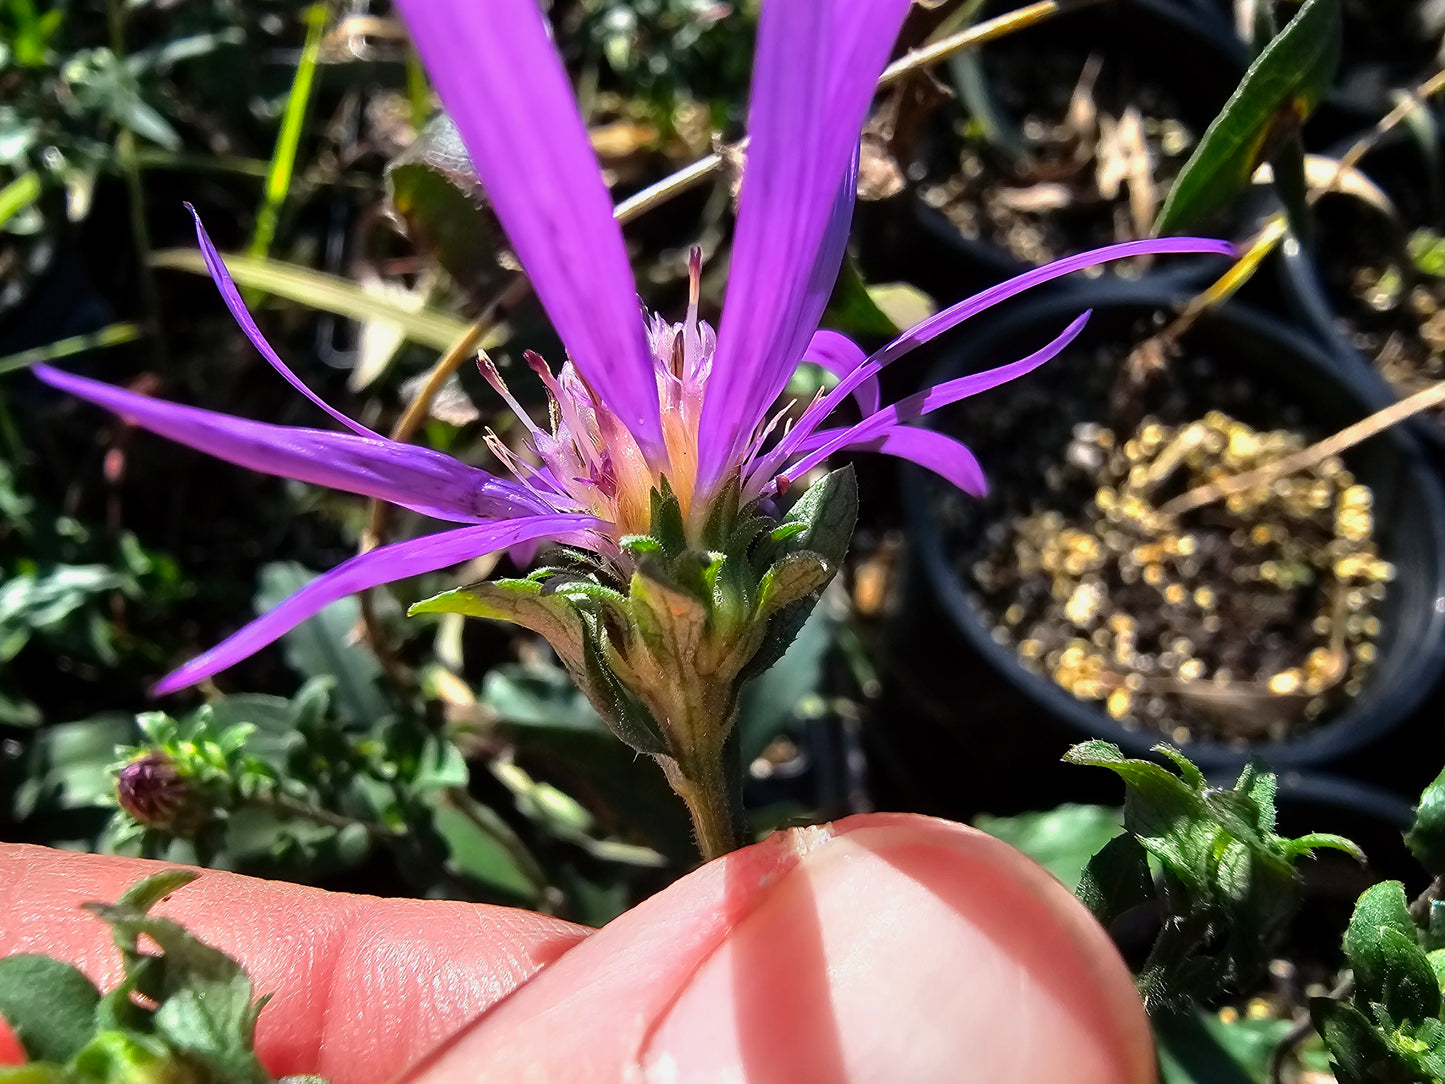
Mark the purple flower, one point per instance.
(638, 401)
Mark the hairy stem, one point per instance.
(702, 783)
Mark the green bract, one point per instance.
(663, 662)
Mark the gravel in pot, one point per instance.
(1293, 622)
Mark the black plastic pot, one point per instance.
(1304, 285)
(1176, 44)
(1409, 506)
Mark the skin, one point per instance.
(881, 947)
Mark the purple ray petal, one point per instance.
(814, 72)
(394, 562)
(840, 355)
(940, 454)
(820, 445)
(416, 478)
(503, 84)
(937, 324)
(232, 297)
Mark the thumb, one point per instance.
(882, 947)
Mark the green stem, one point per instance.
(701, 781)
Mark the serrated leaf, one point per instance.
(49, 1005)
(1261, 786)
(828, 510)
(1314, 841)
(624, 714)
(1280, 89)
(1169, 818)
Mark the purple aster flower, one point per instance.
(640, 405)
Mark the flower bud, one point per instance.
(153, 791)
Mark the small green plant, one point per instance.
(186, 1014)
(1206, 863)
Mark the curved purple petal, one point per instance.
(940, 322)
(232, 297)
(417, 478)
(840, 355)
(395, 562)
(820, 445)
(928, 448)
(814, 73)
(503, 84)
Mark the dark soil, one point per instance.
(1240, 622)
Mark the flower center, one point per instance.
(590, 460)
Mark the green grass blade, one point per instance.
(112, 335)
(288, 139)
(18, 195)
(328, 293)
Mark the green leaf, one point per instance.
(538, 696)
(1426, 838)
(792, 577)
(852, 308)
(205, 1008)
(1360, 1054)
(18, 195)
(1115, 879)
(1380, 909)
(821, 521)
(324, 645)
(110, 335)
(828, 510)
(1308, 844)
(483, 848)
(1169, 818)
(1062, 840)
(145, 894)
(48, 1004)
(1280, 89)
(1199, 1048)
(1409, 992)
(767, 702)
(527, 603)
(434, 190)
(68, 764)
